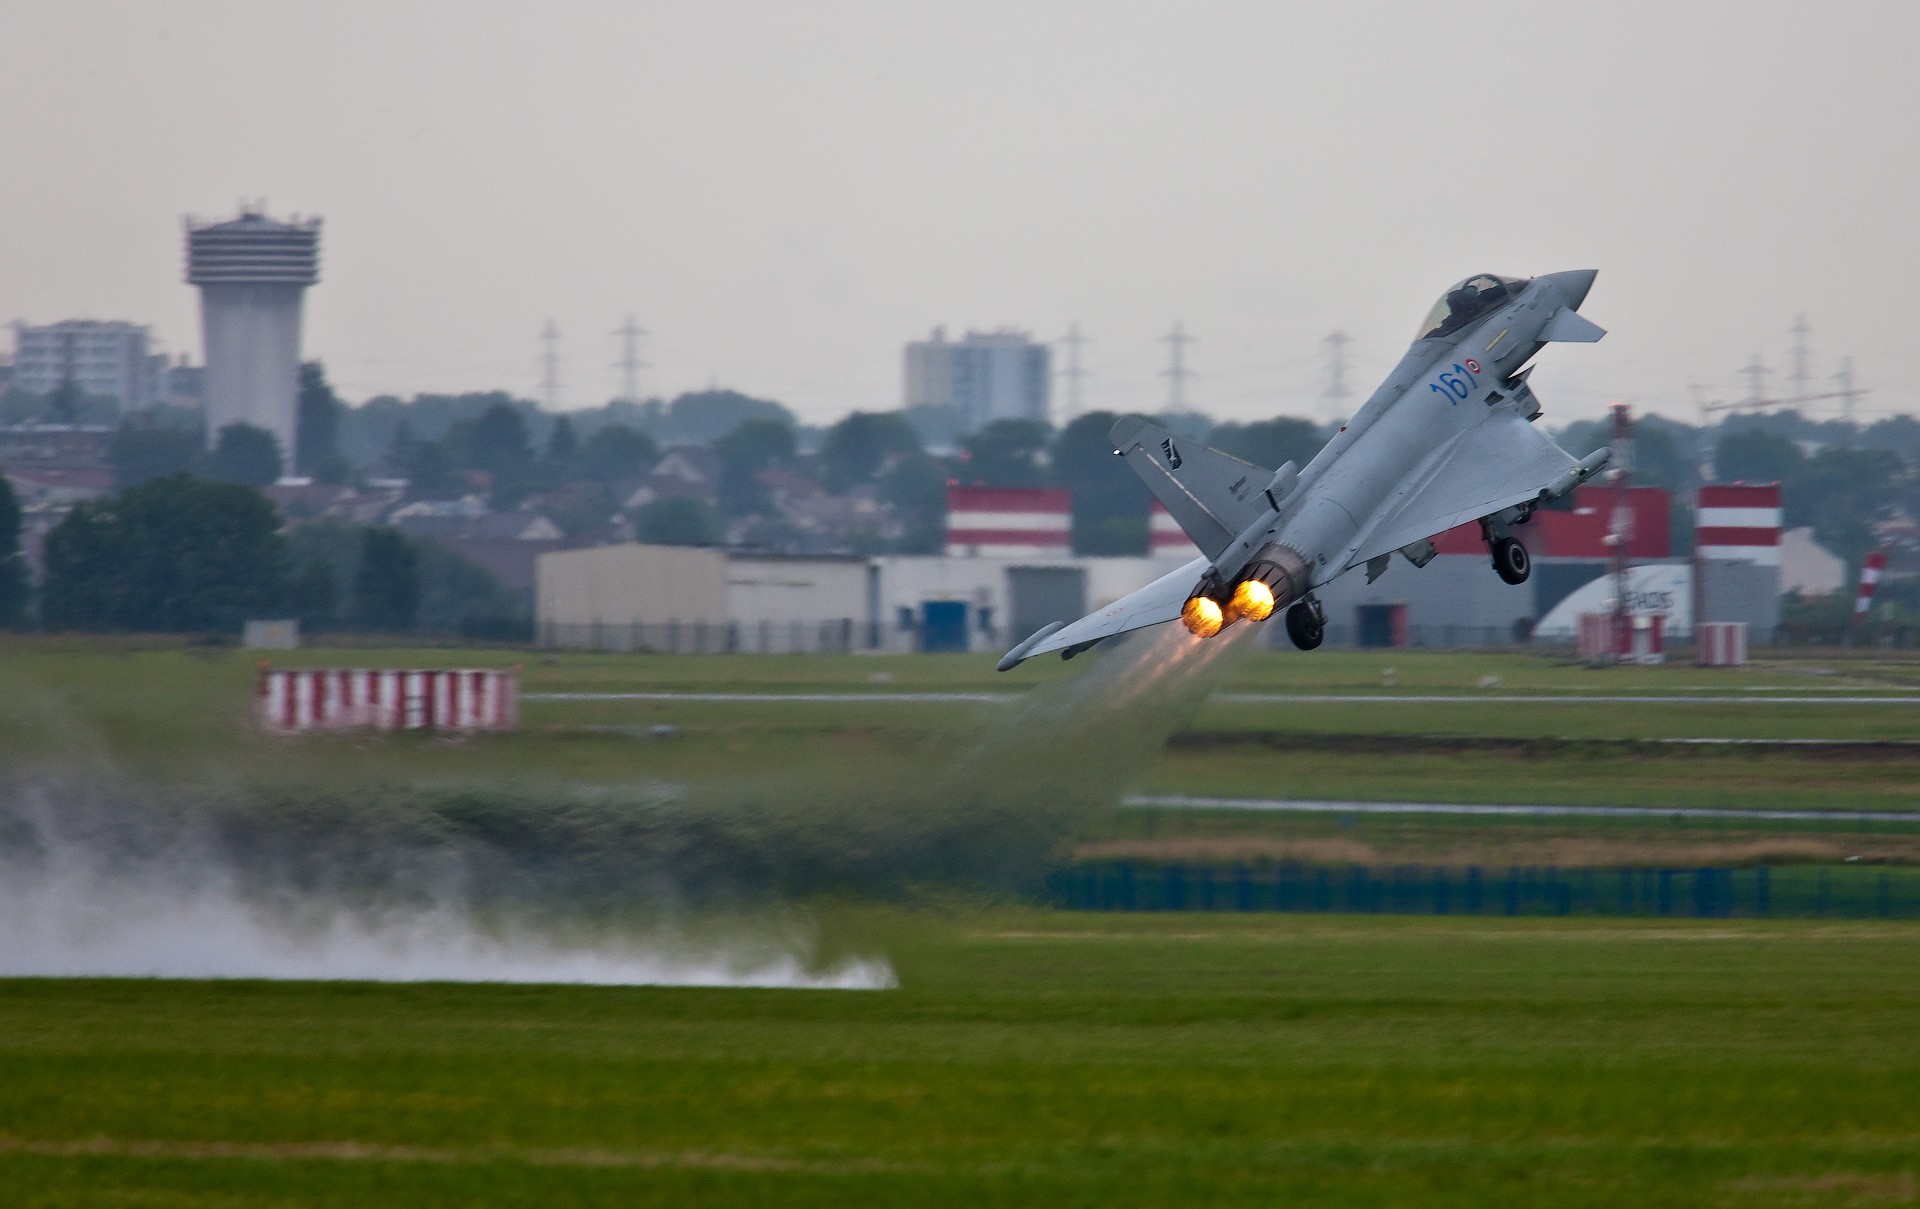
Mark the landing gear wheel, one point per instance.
(1306, 625)
(1511, 561)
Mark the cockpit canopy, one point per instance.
(1467, 301)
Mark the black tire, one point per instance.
(1511, 561)
(1304, 626)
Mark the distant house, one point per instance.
(1807, 567)
(683, 472)
(505, 543)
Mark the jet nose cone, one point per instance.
(1574, 284)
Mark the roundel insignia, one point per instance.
(1473, 367)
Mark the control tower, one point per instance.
(252, 272)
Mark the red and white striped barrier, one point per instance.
(293, 700)
(1721, 643)
(1869, 580)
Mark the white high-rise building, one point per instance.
(252, 272)
(103, 359)
(988, 376)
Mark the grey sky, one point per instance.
(784, 193)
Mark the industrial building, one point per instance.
(1009, 571)
(253, 273)
(988, 376)
(106, 360)
(634, 597)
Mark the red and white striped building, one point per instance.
(1165, 536)
(293, 700)
(1009, 522)
(1739, 523)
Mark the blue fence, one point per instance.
(1811, 891)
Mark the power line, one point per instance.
(1799, 376)
(1073, 340)
(1176, 371)
(550, 366)
(1756, 375)
(630, 363)
(1336, 343)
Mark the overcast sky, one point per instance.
(785, 193)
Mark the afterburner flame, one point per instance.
(1202, 616)
(1253, 600)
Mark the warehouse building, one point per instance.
(634, 597)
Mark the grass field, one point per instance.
(1026, 1056)
(1024, 1059)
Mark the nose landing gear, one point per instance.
(1307, 623)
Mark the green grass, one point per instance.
(1025, 1059)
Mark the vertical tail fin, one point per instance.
(1213, 496)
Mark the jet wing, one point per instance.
(1500, 463)
(1159, 601)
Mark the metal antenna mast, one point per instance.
(630, 363)
(1176, 371)
(1073, 340)
(550, 366)
(1799, 376)
(1336, 343)
(1757, 375)
(1846, 392)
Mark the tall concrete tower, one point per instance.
(252, 272)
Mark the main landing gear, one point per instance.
(1511, 560)
(1307, 623)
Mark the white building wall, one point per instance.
(106, 359)
(906, 582)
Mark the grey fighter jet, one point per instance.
(1447, 439)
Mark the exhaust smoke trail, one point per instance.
(253, 871)
(109, 884)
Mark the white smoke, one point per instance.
(75, 908)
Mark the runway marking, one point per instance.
(1544, 699)
(996, 698)
(783, 698)
(1314, 806)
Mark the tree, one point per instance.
(916, 485)
(1841, 493)
(317, 428)
(1006, 453)
(751, 447)
(563, 450)
(617, 452)
(175, 555)
(1753, 455)
(705, 415)
(245, 454)
(386, 585)
(141, 451)
(1270, 443)
(496, 443)
(858, 447)
(14, 586)
(460, 597)
(677, 521)
(1109, 500)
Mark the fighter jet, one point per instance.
(1448, 438)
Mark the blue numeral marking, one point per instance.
(1452, 387)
